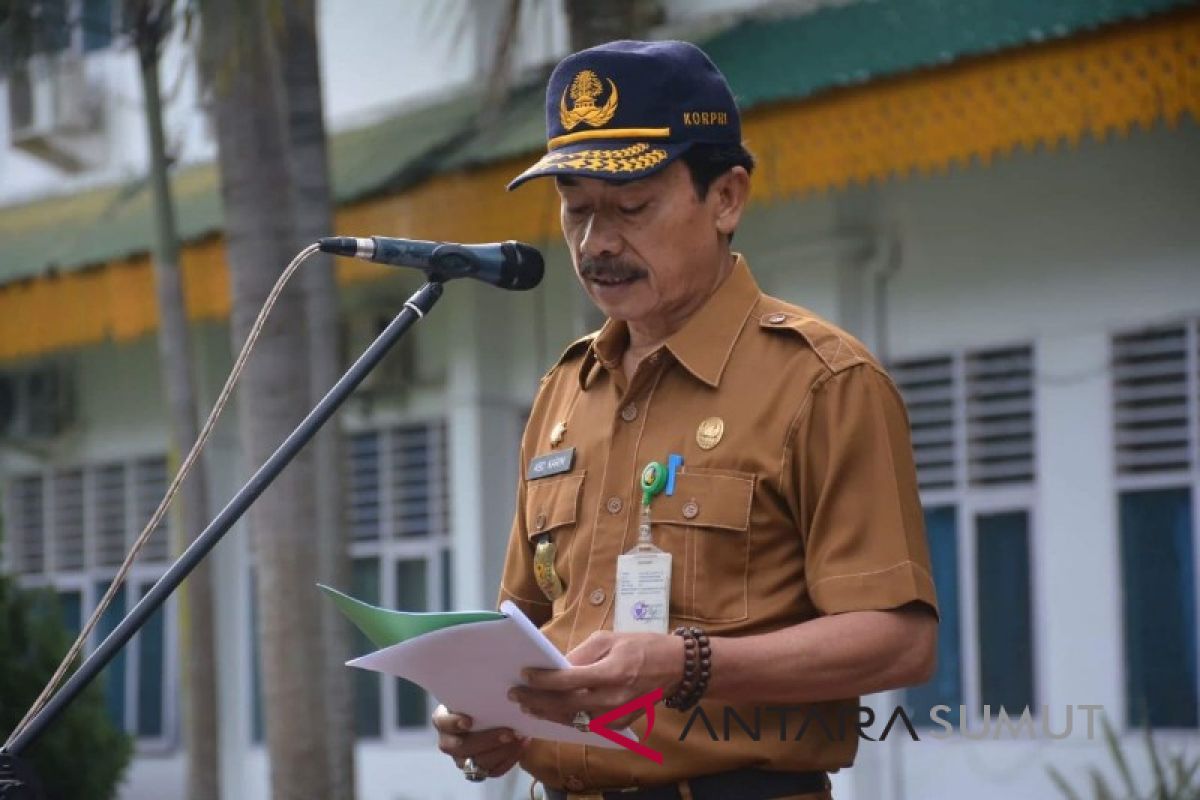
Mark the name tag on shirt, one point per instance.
(554, 463)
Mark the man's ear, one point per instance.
(729, 193)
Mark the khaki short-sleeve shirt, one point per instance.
(806, 504)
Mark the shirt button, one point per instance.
(653, 357)
(574, 783)
(614, 505)
(690, 509)
(596, 597)
(775, 319)
(540, 522)
(629, 412)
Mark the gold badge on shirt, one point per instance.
(543, 568)
(709, 434)
(557, 433)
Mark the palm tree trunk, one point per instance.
(175, 363)
(593, 22)
(240, 65)
(313, 218)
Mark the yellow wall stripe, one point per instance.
(1048, 95)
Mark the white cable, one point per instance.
(188, 462)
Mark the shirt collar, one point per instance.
(704, 343)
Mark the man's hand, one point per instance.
(495, 751)
(607, 670)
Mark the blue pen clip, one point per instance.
(674, 462)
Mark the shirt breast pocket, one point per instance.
(705, 524)
(552, 508)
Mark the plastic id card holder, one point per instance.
(643, 591)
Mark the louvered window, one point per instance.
(1152, 383)
(27, 523)
(397, 483)
(419, 482)
(1156, 418)
(67, 514)
(928, 389)
(398, 515)
(110, 484)
(362, 485)
(71, 519)
(975, 408)
(973, 435)
(70, 528)
(1000, 416)
(150, 484)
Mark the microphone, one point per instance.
(508, 265)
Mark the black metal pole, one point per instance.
(416, 307)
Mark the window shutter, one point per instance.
(1150, 401)
(27, 524)
(149, 486)
(67, 493)
(362, 486)
(1000, 416)
(112, 520)
(419, 480)
(927, 386)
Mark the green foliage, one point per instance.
(82, 754)
(1176, 775)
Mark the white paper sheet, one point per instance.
(470, 668)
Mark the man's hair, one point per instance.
(707, 162)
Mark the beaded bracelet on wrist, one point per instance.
(697, 668)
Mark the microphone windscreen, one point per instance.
(523, 266)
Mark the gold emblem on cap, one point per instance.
(585, 88)
(709, 434)
(557, 433)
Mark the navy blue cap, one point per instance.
(624, 110)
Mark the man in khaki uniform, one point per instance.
(798, 555)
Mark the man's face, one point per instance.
(648, 252)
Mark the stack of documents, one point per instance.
(468, 660)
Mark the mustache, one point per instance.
(612, 269)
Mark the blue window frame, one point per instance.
(412, 592)
(368, 697)
(1005, 613)
(1159, 600)
(151, 656)
(945, 688)
(113, 676)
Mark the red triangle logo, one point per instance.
(647, 701)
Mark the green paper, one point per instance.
(385, 627)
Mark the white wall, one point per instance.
(376, 56)
(122, 144)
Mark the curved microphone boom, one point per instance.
(508, 265)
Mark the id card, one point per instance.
(643, 592)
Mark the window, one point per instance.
(398, 520)
(398, 483)
(70, 529)
(55, 26)
(973, 441)
(1156, 403)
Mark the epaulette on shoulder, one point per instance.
(837, 349)
(573, 349)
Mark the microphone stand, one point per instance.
(16, 779)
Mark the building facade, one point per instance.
(1004, 210)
